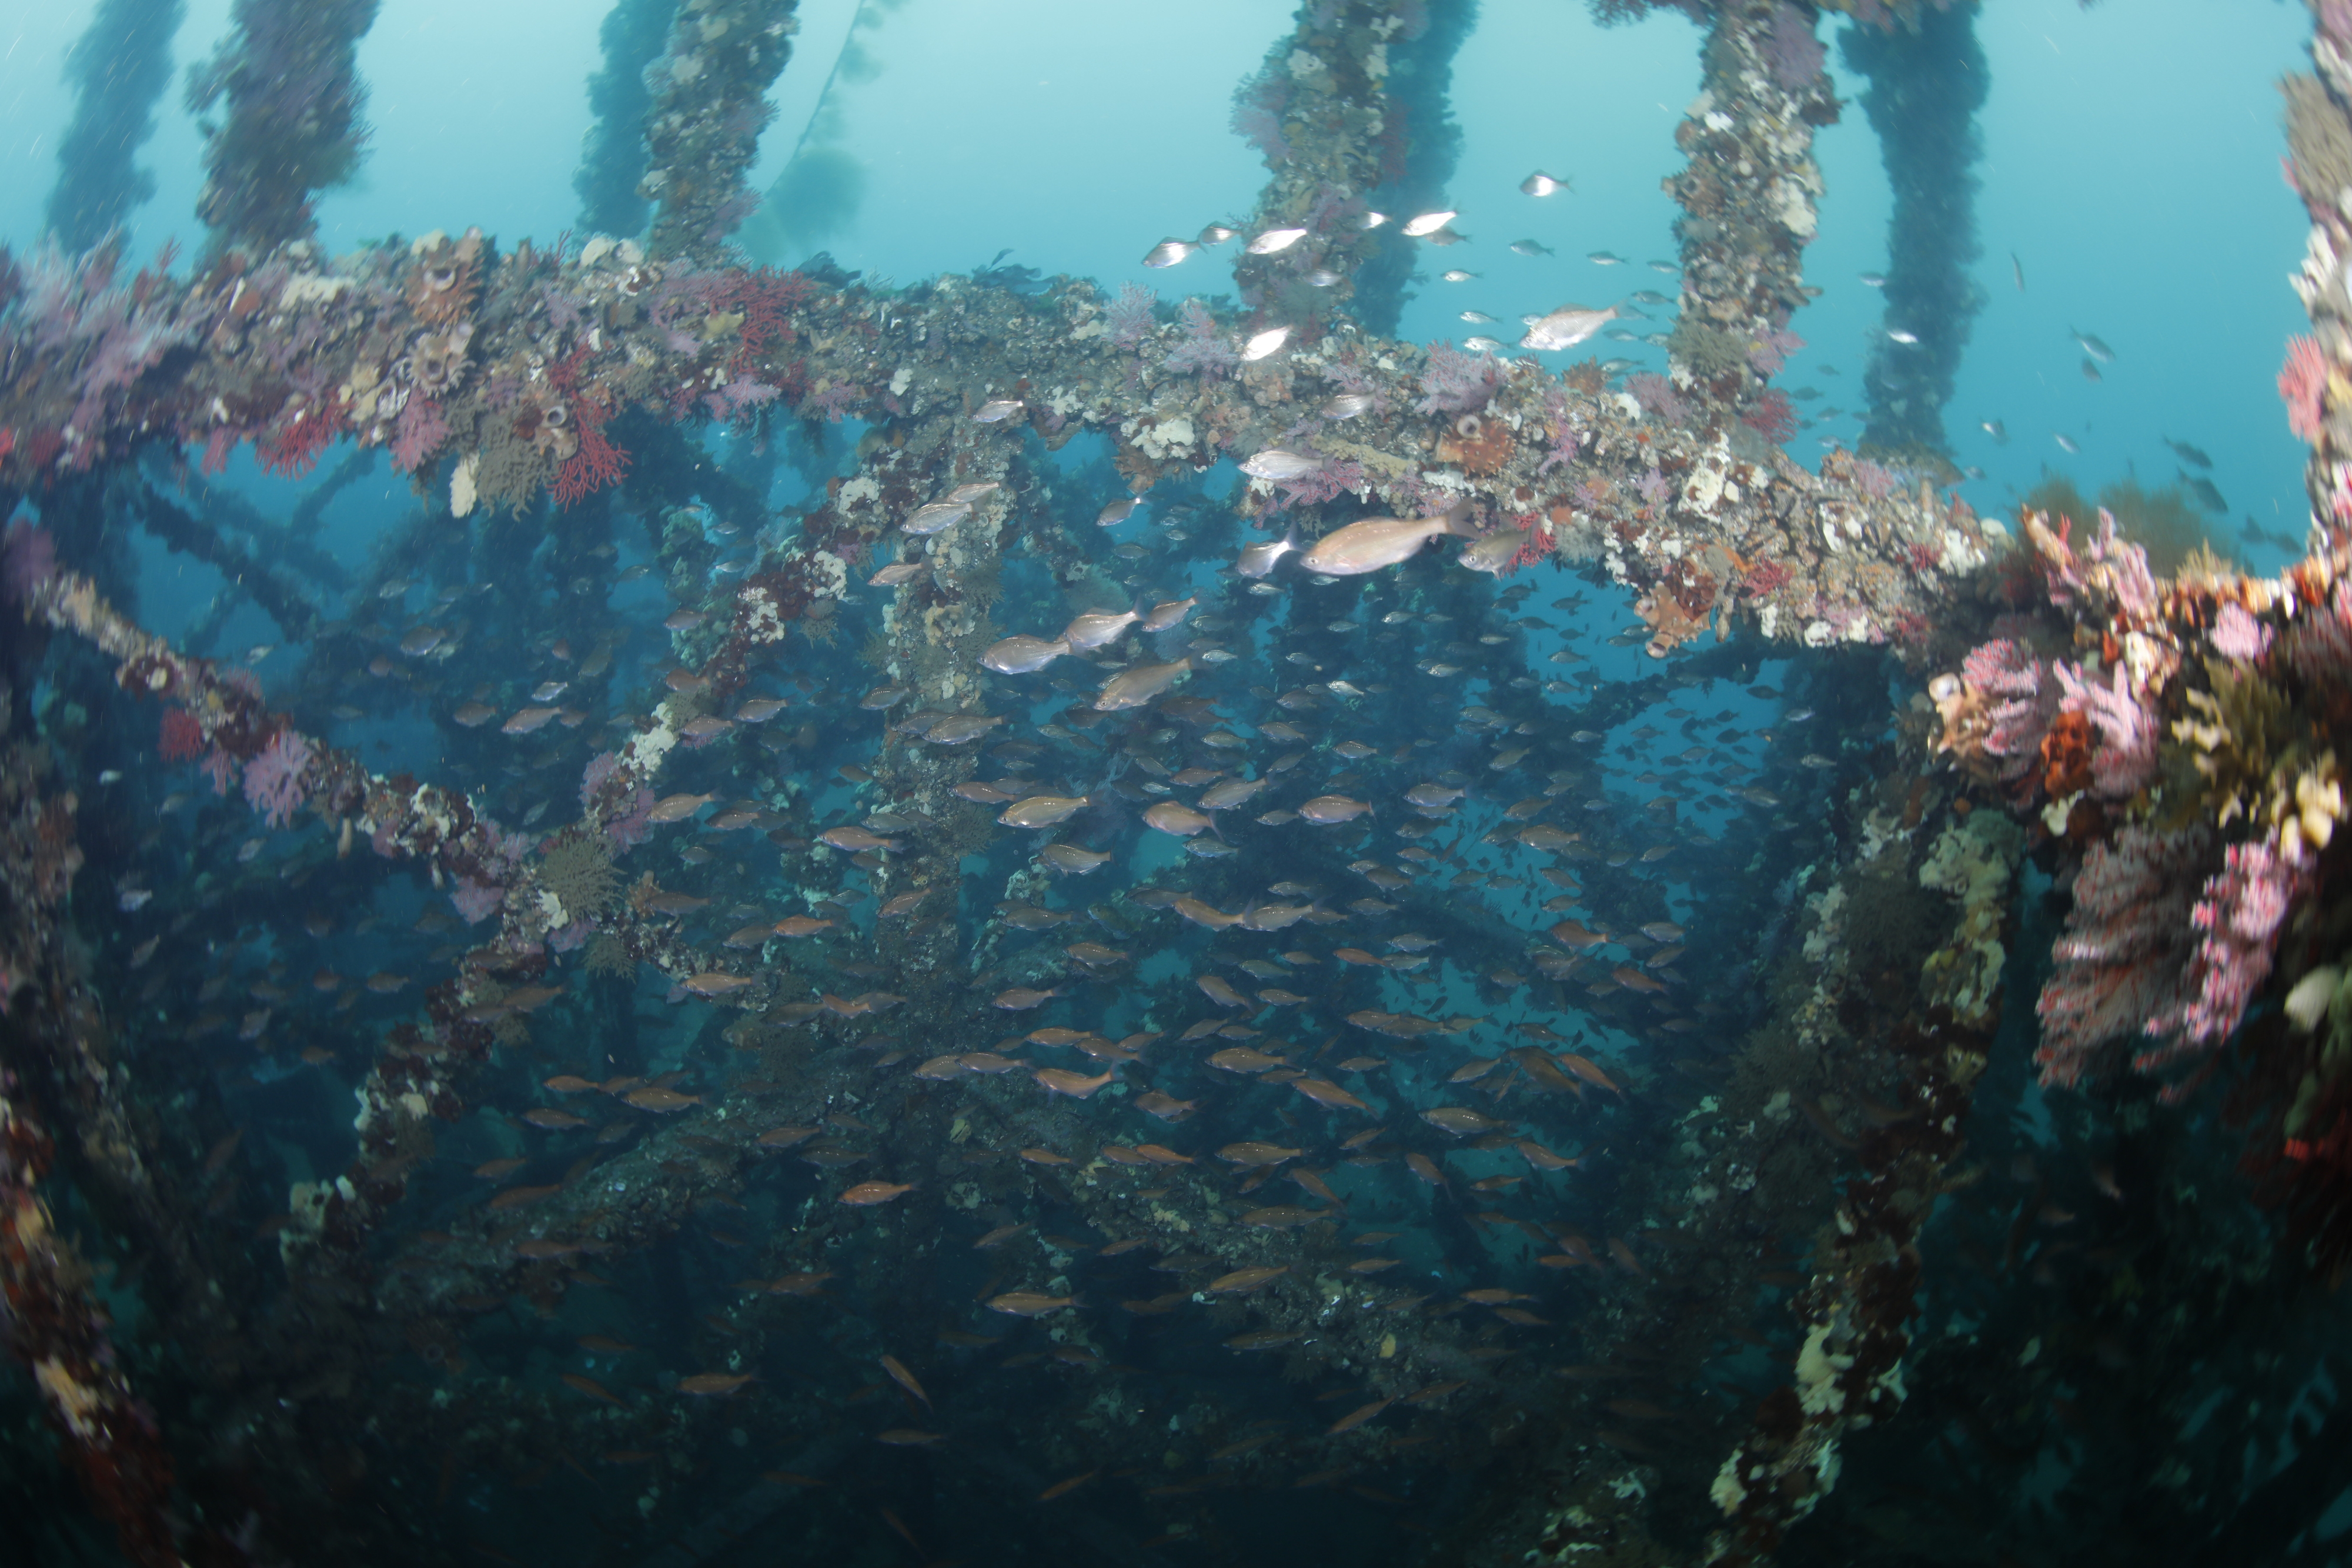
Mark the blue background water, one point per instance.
(2130, 159)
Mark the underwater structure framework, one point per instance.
(1815, 1260)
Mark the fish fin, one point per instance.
(1458, 522)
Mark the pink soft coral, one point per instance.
(2244, 905)
(2303, 385)
(2126, 760)
(2119, 962)
(273, 780)
(2016, 724)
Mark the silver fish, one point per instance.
(1541, 185)
(1897, 335)
(2093, 346)
(1873, 280)
(1482, 345)
(1457, 276)
(1135, 687)
(1373, 543)
(1530, 248)
(1261, 344)
(1094, 630)
(1258, 559)
(1020, 655)
(1273, 242)
(1169, 252)
(1217, 234)
(1347, 405)
(1428, 224)
(1274, 463)
(897, 572)
(934, 517)
(1477, 318)
(1168, 613)
(1042, 810)
(1116, 512)
(996, 409)
(2064, 442)
(1566, 327)
(1605, 258)
(1497, 550)
(965, 494)
(1322, 278)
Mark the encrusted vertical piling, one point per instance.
(1926, 85)
(120, 65)
(286, 78)
(613, 159)
(1747, 198)
(703, 125)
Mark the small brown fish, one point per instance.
(1029, 1303)
(867, 1194)
(714, 984)
(1327, 1094)
(711, 1384)
(1458, 1120)
(653, 1098)
(1062, 1080)
(525, 720)
(905, 1379)
(793, 927)
(1357, 1417)
(1243, 1281)
(677, 807)
(591, 1387)
(1060, 1488)
(1251, 1155)
(1021, 998)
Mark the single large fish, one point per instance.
(1566, 327)
(1376, 542)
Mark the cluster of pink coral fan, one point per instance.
(27, 559)
(2119, 962)
(2125, 762)
(2111, 571)
(1457, 383)
(2320, 647)
(2238, 635)
(273, 778)
(2244, 905)
(421, 429)
(2302, 386)
(476, 901)
(1204, 348)
(2015, 723)
(1130, 319)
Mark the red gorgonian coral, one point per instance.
(180, 738)
(2126, 940)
